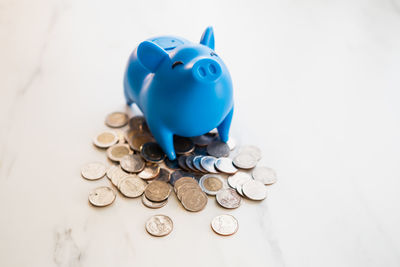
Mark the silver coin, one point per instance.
(183, 145)
(225, 225)
(93, 171)
(116, 174)
(245, 161)
(231, 143)
(116, 119)
(182, 162)
(211, 184)
(150, 171)
(253, 150)
(207, 162)
(121, 136)
(105, 139)
(102, 196)
(159, 225)
(225, 165)
(228, 198)
(189, 163)
(201, 151)
(112, 169)
(153, 205)
(218, 149)
(197, 164)
(254, 190)
(132, 163)
(163, 175)
(132, 186)
(264, 174)
(118, 151)
(239, 190)
(203, 140)
(152, 152)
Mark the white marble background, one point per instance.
(317, 87)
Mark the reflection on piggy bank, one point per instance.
(182, 88)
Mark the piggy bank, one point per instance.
(182, 88)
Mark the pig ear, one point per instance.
(207, 38)
(151, 55)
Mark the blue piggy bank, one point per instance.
(182, 88)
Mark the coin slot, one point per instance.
(176, 63)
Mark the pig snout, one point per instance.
(206, 70)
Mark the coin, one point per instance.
(121, 136)
(116, 174)
(132, 186)
(253, 150)
(201, 150)
(105, 139)
(164, 175)
(254, 190)
(211, 183)
(102, 196)
(225, 165)
(138, 124)
(194, 200)
(153, 205)
(117, 152)
(159, 225)
(183, 145)
(225, 225)
(245, 161)
(116, 119)
(228, 198)
(241, 179)
(93, 171)
(172, 164)
(189, 163)
(150, 171)
(176, 175)
(152, 152)
(182, 180)
(203, 140)
(207, 162)
(138, 139)
(184, 187)
(218, 149)
(182, 162)
(132, 163)
(264, 174)
(157, 191)
(197, 164)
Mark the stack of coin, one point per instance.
(204, 166)
(190, 194)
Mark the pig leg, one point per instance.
(164, 138)
(223, 128)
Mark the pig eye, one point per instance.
(213, 54)
(176, 63)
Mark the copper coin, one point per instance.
(132, 163)
(157, 191)
(149, 172)
(182, 162)
(164, 175)
(194, 200)
(138, 139)
(183, 145)
(152, 152)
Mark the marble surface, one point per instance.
(316, 87)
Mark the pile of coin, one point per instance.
(204, 166)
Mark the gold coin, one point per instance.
(117, 152)
(150, 171)
(132, 186)
(116, 119)
(152, 204)
(93, 171)
(182, 180)
(159, 225)
(157, 191)
(102, 196)
(194, 200)
(184, 187)
(105, 139)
